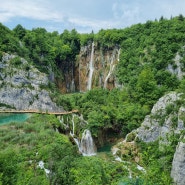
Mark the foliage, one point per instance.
(147, 51)
(25, 144)
(107, 111)
(92, 170)
(158, 162)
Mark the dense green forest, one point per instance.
(147, 51)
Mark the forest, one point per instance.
(147, 70)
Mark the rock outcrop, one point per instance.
(23, 87)
(178, 165)
(177, 67)
(164, 119)
(167, 118)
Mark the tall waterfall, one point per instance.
(112, 65)
(91, 68)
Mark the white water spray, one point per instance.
(91, 69)
(112, 65)
(87, 147)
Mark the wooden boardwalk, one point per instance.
(38, 112)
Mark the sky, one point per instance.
(85, 15)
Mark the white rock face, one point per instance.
(178, 165)
(21, 86)
(159, 123)
(164, 101)
(178, 70)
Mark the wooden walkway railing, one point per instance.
(38, 111)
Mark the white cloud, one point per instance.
(86, 15)
(126, 14)
(27, 9)
(94, 24)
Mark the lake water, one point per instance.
(6, 118)
(106, 148)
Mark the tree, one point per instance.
(146, 88)
(19, 31)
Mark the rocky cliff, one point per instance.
(178, 164)
(166, 119)
(94, 67)
(23, 87)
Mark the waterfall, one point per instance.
(63, 124)
(72, 79)
(91, 68)
(72, 85)
(41, 166)
(112, 66)
(73, 122)
(87, 146)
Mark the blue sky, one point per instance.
(85, 15)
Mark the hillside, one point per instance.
(23, 87)
(127, 85)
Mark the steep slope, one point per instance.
(164, 120)
(97, 67)
(23, 87)
(178, 164)
(164, 125)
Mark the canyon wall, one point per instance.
(94, 67)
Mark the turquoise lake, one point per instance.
(6, 118)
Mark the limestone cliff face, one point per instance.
(22, 86)
(94, 67)
(177, 68)
(167, 118)
(178, 165)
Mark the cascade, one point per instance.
(87, 147)
(73, 124)
(112, 66)
(86, 144)
(63, 124)
(91, 68)
(41, 166)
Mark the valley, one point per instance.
(97, 108)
